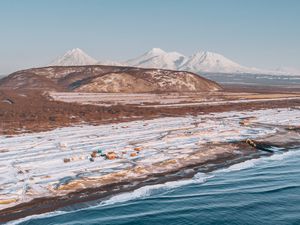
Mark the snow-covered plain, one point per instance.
(166, 100)
(31, 165)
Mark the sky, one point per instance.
(258, 33)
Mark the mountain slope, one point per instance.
(211, 62)
(107, 79)
(136, 80)
(157, 58)
(74, 57)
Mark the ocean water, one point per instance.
(259, 191)
(256, 79)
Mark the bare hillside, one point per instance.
(107, 79)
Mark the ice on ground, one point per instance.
(32, 165)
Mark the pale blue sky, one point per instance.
(260, 33)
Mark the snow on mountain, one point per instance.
(157, 58)
(204, 61)
(74, 57)
(110, 63)
(200, 62)
(288, 70)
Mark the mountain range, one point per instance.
(200, 62)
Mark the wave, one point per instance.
(124, 197)
(39, 216)
(259, 161)
(280, 189)
(151, 189)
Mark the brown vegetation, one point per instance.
(32, 111)
(107, 79)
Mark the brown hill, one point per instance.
(107, 79)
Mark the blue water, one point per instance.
(256, 79)
(262, 191)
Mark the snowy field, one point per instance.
(168, 99)
(32, 165)
(106, 99)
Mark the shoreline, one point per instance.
(221, 161)
(203, 143)
(44, 205)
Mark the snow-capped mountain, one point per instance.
(204, 61)
(157, 58)
(74, 57)
(200, 62)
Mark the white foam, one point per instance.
(198, 178)
(240, 166)
(259, 161)
(39, 216)
(124, 197)
(150, 189)
(284, 155)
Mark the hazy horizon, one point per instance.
(262, 34)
